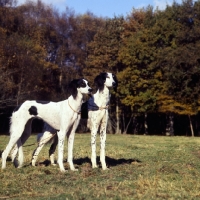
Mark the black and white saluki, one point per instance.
(63, 116)
(98, 114)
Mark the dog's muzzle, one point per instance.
(90, 90)
(114, 84)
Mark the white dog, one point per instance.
(63, 116)
(98, 114)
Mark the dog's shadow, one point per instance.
(109, 161)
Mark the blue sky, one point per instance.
(105, 8)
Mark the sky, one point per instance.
(105, 8)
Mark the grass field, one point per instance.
(141, 167)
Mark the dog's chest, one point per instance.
(102, 99)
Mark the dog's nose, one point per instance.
(90, 90)
(114, 84)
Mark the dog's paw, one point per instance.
(15, 162)
(63, 171)
(105, 168)
(33, 163)
(73, 169)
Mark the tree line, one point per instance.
(154, 53)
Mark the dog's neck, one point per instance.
(103, 97)
(76, 103)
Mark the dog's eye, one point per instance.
(83, 85)
(107, 77)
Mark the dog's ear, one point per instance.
(73, 87)
(100, 80)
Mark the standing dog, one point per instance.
(98, 114)
(63, 116)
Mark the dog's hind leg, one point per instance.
(45, 137)
(26, 134)
(36, 153)
(21, 155)
(15, 134)
(14, 152)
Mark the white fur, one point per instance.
(62, 116)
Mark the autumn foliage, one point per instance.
(154, 53)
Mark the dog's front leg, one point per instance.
(61, 140)
(93, 146)
(103, 141)
(70, 138)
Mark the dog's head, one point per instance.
(79, 85)
(105, 79)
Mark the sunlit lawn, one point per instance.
(141, 167)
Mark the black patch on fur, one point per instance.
(17, 108)
(73, 88)
(100, 80)
(81, 83)
(33, 110)
(42, 102)
(73, 85)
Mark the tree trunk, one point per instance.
(171, 117)
(145, 124)
(191, 126)
(135, 125)
(126, 126)
(19, 87)
(117, 129)
(170, 125)
(61, 78)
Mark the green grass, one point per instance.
(141, 167)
